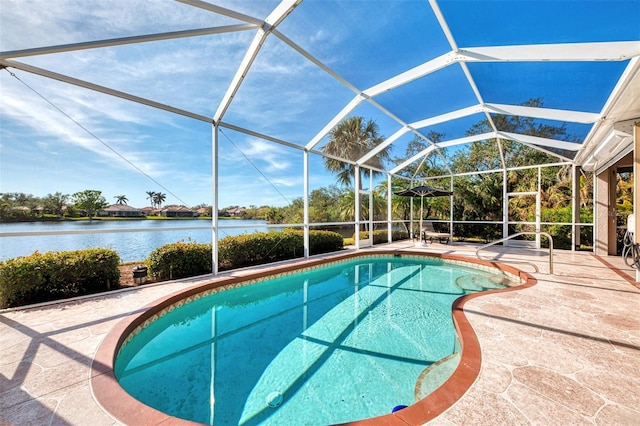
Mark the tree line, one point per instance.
(477, 196)
(18, 205)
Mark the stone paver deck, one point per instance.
(565, 351)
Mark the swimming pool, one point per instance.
(327, 344)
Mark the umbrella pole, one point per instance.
(420, 230)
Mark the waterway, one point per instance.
(139, 240)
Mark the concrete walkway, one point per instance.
(565, 351)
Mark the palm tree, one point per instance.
(56, 202)
(150, 196)
(351, 139)
(158, 198)
(121, 199)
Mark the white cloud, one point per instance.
(279, 96)
(268, 152)
(37, 23)
(104, 118)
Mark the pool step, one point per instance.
(435, 375)
(479, 282)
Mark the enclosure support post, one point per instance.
(370, 218)
(575, 208)
(451, 210)
(636, 181)
(389, 211)
(538, 210)
(411, 220)
(214, 200)
(505, 205)
(306, 203)
(636, 186)
(356, 193)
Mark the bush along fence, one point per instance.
(181, 260)
(381, 236)
(43, 277)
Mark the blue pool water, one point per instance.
(323, 346)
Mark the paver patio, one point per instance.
(565, 351)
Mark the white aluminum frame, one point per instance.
(601, 51)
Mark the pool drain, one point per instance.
(274, 399)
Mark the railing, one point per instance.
(517, 234)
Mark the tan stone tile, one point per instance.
(85, 347)
(494, 377)
(13, 375)
(12, 397)
(523, 329)
(541, 410)
(620, 321)
(560, 389)
(69, 336)
(103, 327)
(615, 386)
(11, 334)
(575, 295)
(34, 412)
(614, 360)
(486, 329)
(78, 406)
(483, 408)
(555, 357)
(21, 351)
(50, 356)
(501, 350)
(58, 377)
(441, 421)
(616, 415)
(501, 310)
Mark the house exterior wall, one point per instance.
(605, 206)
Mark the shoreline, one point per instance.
(121, 219)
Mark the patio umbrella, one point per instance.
(423, 191)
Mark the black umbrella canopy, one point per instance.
(423, 191)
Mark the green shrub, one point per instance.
(324, 241)
(381, 236)
(266, 247)
(41, 277)
(180, 260)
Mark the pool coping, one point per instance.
(121, 406)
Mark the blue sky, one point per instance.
(132, 148)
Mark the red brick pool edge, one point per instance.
(126, 409)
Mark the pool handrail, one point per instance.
(517, 234)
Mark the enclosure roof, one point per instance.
(287, 72)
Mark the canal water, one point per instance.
(131, 246)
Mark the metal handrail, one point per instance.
(519, 260)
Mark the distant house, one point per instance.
(177, 211)
(235, 212)
(148, 210)
(204, 211)
(21, 211)
(121, 210)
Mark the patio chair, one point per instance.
(430, 233)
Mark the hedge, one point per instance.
(42, 277)
(266, 247)
(180, 260)
(381, 236)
